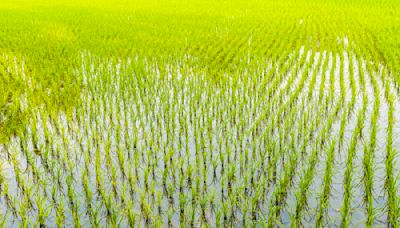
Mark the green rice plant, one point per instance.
(3, 221)
(390, 181)
(95, 216)
(43, 210)
(112, 211)
(23, 210)
(3, 180)
(349, 164)
(132, 216)
(369, 151)
(352, 80)
(73, 202)
(88, 191)
(327, 185)
(146, 209)
(170, 213)
(60, 218)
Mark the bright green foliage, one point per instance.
(199, 113)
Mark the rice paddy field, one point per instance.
(189, 113)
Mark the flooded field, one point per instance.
(303, 131)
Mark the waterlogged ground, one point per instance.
(310, 138)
